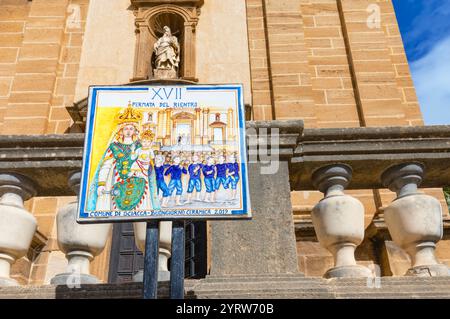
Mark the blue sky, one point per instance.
(425, 28)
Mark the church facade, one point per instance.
(334, 64)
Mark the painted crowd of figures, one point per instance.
(216, 172)
(131, 176)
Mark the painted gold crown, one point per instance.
(147, 135)
(129, 115)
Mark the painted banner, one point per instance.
(164, 152)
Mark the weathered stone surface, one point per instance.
(254, 287)
(377, 148)
(158, 2)
(339, 221)
(414, 219)
(265, 244)
(17, 225)
(69, 278)
(46, 159)
(165, 74)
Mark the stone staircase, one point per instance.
(255, 287)
(294, 286)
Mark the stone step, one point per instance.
(260, 287)
(325, 296)
(280, 289)
(322, 295)
(267, 296)
(341, 288)
(394, 280)
(334, 281)
(258, 278)
(361, 294)
(337, 284)
(337, 289)
(260, 290)
(263, 284)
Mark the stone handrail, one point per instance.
(46, 159)
(371, 151)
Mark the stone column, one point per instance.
(17, 225)
(143, 52)
(339, 221)
(205, 126)
(230, 136)
(80, 242)
(160, 128)
(165, 245)
(414, 219)
(168, 139)
(201, 121)
(189, 51)
(198, 125)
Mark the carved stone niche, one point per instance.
(151, 16)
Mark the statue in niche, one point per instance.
(167, 56)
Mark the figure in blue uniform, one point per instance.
(221, 178)
(209, 173)
(163, 190)
(175, 171)
(194, 170)
(233, 175)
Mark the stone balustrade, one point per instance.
(81, 243)
(17, 225)
(328, 160)
(398, 158)
(339, 220)
(414, 219)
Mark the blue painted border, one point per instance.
(93, 92)
(88, 140)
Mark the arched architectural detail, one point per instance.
(183, 115)
(183, 17)
(189, 16)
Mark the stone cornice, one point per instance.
(370, 151)
(151, 3)
(46, 159)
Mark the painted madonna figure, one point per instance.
(125, 178)
(167, 55)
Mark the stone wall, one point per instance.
(319, 61)
(107, 57)
(41, 42)
(40, 48)
(222, 45)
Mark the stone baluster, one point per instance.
(81, 243)
(414, 219)
(165, 241)
(339, 221)
(17, 225)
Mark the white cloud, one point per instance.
(431, 76)
(430, 23)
